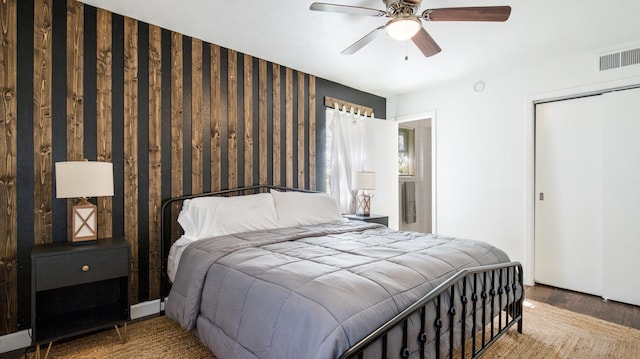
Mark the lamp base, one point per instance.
(84, 222)
(84, 242)
(363, 205)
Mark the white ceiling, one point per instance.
(288, 33)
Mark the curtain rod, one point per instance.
(331, 102)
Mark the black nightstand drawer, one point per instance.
(70, 269)
(76, 289)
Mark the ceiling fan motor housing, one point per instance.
(395, 7)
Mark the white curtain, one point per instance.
(347, 154)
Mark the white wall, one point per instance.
(382, 158)
(484, 145)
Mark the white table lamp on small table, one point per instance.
(363, 181)
(84, 179)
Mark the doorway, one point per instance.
(416, 173)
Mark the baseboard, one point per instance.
(22, 339)
(15, 341)
(145, 309)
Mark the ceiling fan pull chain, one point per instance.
(406, 54)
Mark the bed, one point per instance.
(273, 272)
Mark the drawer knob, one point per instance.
(85, 268)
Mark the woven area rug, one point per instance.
(549, 332)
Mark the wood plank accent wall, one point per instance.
(42, 58)
(196, 117)
(276, 113)
(75, 80)
(216, 118)
(8, 167)
(175, 115)
(104, 114)
(155, 156)
(131, 147)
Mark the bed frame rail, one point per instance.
(478, 292)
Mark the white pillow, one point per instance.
(206, 217)
(300, 208)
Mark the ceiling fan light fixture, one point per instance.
(403, 27)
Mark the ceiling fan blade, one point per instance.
(346, 9)
(362, 42)
(482, 13)
(425, 43)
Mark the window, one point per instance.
(406, 151)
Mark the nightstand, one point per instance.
(77, 289)
(373, 218)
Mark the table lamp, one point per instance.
(81, 180)
(363, 181)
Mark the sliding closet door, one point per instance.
(569, 194)
(622, 196)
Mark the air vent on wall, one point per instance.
(619, 59)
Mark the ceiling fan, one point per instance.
(405, 24)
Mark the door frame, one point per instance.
(530, 130)
(428, 115)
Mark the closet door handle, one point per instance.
(541, 196)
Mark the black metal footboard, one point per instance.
(464, 315)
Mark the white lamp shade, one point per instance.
(77, 179)
(364, 180)
(403, 27)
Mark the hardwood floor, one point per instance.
(620, 313)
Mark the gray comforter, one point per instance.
(311, 291)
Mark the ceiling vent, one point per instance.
(619, 59)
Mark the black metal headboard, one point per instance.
(168, 222)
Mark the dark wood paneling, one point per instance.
(232, 118)
(155, 156)
(276, 125)
(301, 127)
(104, 114)
(174, 115)
(42, 121)
(25, 202)
(75, 80)
(117, 125)
(177, 139)
(262, 119)
(8, 167)
(131, 148)
(312, 132)
(248, 120)
(216, 117)
(185, 86)
(90, 87)
(59, 215)
(143, 160)
(196, 117)
(75, 88)
(289, 127)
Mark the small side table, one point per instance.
(76, 289)
(373, 218)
